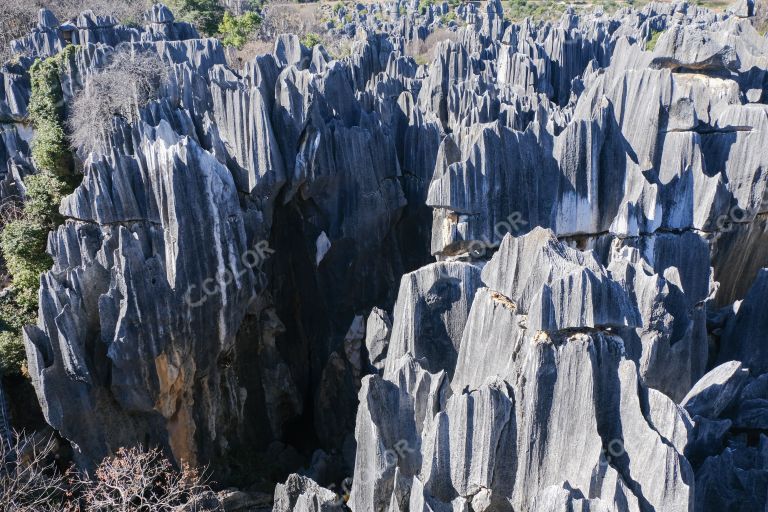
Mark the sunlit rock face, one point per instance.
(173, 332)
(541, 367)
(522, 272)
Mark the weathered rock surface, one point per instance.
(498, 439)
(744, 335)
(247, 273)
(301, 494)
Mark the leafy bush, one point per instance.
(13, 357)
(236, 30)
(206, 15)
(13, 317)
(23, 240)
(310, 40)
(23, 243)
(44, 193)
(650, 45)
(424, 5)
(50, 147)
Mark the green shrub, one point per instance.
(310, 40)
(23, 240)
(13, 359)
(44, 194)
(337, 7)
(451, 16)
(236, 30)
(12, 316)
(421, 59)
(206, 15)
(50, 147)
(650, 45)
(424, 5)
(23, 243)
(538, 10)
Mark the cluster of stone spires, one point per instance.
(567, 366)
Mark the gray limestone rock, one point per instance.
(742, 338)
(430, 314)
(301, 494)
(536, 381)
(590, 201)
(716, 391)
(378, 329)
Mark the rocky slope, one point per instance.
(525, 275)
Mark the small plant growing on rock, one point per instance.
(654, 39)
(13, 317)
(50, 147)
(23, 240)
(13, 358)
(310, 40)
(23, 244)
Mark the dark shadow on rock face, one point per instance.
(436, 346)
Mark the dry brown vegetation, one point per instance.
(127, 83)
(133, 479)
(29, 479)
(423, 51)
(145, 481)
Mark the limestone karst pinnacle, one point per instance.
(521, 272)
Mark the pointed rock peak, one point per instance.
(523, 264)
(160, 14)
(46, 19)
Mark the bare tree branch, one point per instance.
(143, 480)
